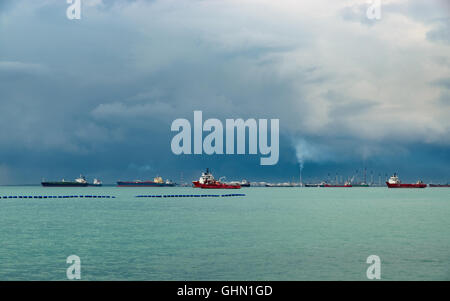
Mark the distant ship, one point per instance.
(439, 185)
(286, 184)
(311, 185)
(360, 185)
(394, 182)
(207, 181)
(157, 182)
(97, 183)
(245, 183)
(347, 184)
(79, 182)
(322, 184)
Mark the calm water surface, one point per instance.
(269, 234)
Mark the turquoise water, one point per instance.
(269, 234)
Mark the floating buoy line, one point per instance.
(189, 195)
(113, 197)
(56, 196)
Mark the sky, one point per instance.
(98, 95)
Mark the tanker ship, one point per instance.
(394, 182)
(439, 185)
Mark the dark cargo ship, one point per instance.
(79, 182)
(439, 185)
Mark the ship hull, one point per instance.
(313, 185)
(327, 185)
(144, 184)
(439, 185)
(400, 185)
(215, 186)
(63, 184)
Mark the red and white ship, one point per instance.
(207, 181)
(394, 182)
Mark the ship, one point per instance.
(438, 185)
(207, 181)
(285, 184)
(245, 183)
(394, 182)
(347, 184)
(157, 182)
(96, 183)
(360, 185)
(79, 182)
(321, 184)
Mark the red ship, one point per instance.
(394, 182)
(207, 181)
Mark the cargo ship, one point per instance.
(394, 182)
(207, 181)
(79, 182)
(439, 185)
(157, 182)
(347, 184)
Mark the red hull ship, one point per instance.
(394, 182)
(207, 181)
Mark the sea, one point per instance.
(267, 234)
